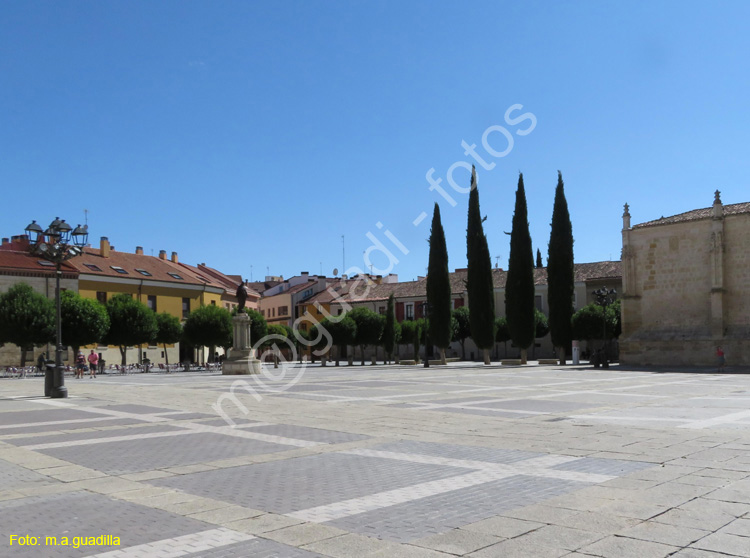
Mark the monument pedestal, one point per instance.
(241, 359)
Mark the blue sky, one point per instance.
(256, 134)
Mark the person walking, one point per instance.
(720, 359)
(93, 359)
(80, 364)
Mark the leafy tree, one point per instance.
(539, 262)
(463, 328)
(560, 273)
(169, 331)
(209, 326)
(369, 328)
(131, 323)
(389, 331)
(541, 324)
(258, 325)
(84, 321)
(439, 287)
(592, 322)
(27, 318)
(410, 334)
(502, 335)
(479, 284)
(519, 285)
(343, 332)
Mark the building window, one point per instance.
(119, 270)
(93, 267)
(46, 263)
(101, 297)
(381, 310)
(409, 311)
(175, 276)
(151, 302)
(185, 307)
(143, 272)
(262, 312)
(213, 303)
(538, 302)
(283, 310)
(340, 310)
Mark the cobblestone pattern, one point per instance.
(310, 434)
(12, 476)
(614, 467)
(439, 513)
(306, 482)
(47, 415)
(83, 514)
(93, 421)
(95, 435)
(132, 456)
(535, 405)
(256, 548)
(471, 453)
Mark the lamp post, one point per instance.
(58, 243)
(604, 298)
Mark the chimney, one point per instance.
(139, 250)
(162, 254)
(6, 241)
(174, 257)
(104, 247)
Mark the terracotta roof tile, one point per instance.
(696, 215)
(11, 260)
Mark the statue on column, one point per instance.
(241, 295)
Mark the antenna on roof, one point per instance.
(343, 252)
(86, 217)
(497, 261)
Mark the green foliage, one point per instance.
(258, 325)
(541, 324)
(502, 334)
(560, 270)
(27, 318)
(389, 330)
(369, 327)
(209, 326)
(343, 332)
(479, 276)
(169, 331)
(588, 322)
(463, 327)
(539, 262)
(519, 286)
(131, 323)
(439, 285)
(84, 321)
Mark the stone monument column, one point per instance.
(716, 249)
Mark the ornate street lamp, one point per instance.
(604, 298)
(58, 243)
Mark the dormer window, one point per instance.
(93, 267)
(143, 272)
(175, 276)
(119, 270)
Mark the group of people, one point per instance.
(95, 362)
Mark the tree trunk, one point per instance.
(524, 356)
(338, 354)
(166, 357)
(561, 352)
(442, 355)
(486, 354)
(123, 355)
(362, 353)
(23, 357)
(463, 349)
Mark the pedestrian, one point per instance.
(101, 364)
(720, 359)
(41, 362)
(93, 359)
(80, 364)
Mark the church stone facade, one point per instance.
(686, 287)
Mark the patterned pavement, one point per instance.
(462, 460)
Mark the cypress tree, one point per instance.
(389, 331)
(439, 287)
(479, 277)
(560, 273)
(539, 262)
(519, 287)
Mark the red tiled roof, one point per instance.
(696, 215)
(12, 262)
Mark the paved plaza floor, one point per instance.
(381, 461)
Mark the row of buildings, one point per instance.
(684, 281)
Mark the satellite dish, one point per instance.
(335, 271)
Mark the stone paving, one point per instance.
(464, 460)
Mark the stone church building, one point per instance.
(686, 287)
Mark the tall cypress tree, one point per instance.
(519, 286)
(439, 287)
(479, 277)
(539, 262)
(560, 273)
(389, 331)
